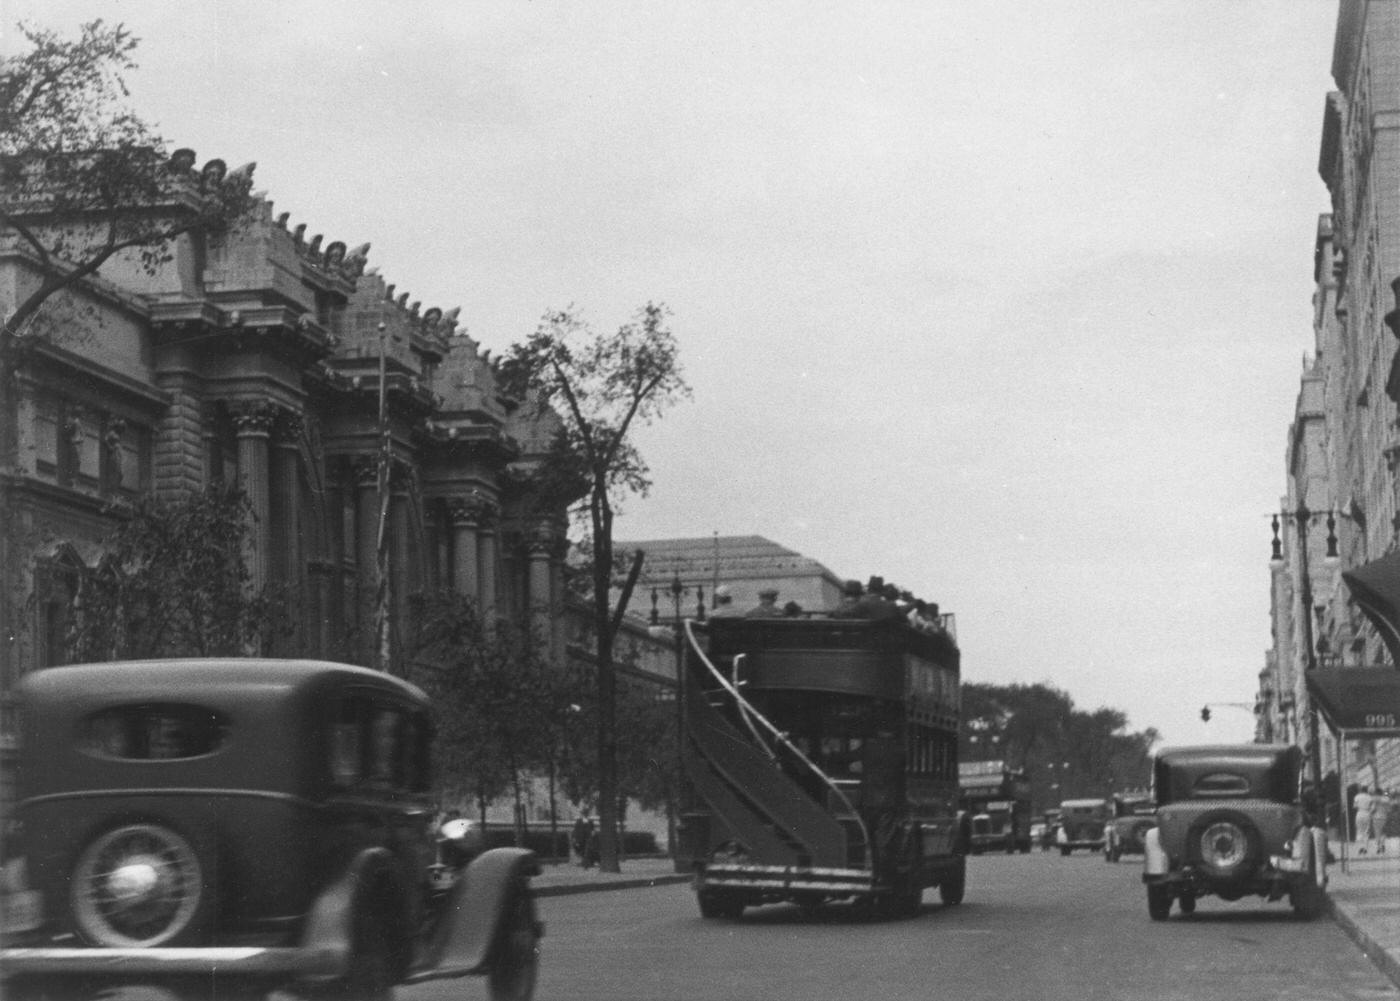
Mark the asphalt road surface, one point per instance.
(1035, 927)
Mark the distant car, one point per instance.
(1133, 817)
(234, 827)
(1082, 823)
(1231, 821)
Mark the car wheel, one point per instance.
(1065, 851)
(370, 973)
(1224, 842)
(515, 960)
(716, 904)
(1159, 901)
(139, 885)
(954, 885)
(1187, 902)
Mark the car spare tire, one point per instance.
(1225, 843)
(137, 886)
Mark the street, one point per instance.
(1033, 926)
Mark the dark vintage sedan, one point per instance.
(1231, 822)
(1133, 817)
(226, 828)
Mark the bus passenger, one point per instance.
(767, 607)
(851, 592)
(724, 604)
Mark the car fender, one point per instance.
(1312, 840)
(330, 925)
(1154, 856)
(461, 943)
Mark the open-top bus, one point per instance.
(820, 758)
(997, 798)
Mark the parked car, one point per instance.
(233, 827)
(1133, 817)
(1231, 821)
(1082, 823)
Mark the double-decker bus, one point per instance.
(997, 798)
(820, 759)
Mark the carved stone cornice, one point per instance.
(253, 419)
(470, 511)
(545, 539)
(288, 427)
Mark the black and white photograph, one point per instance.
(619, 501)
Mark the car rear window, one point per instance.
(152, 732)
(1220, 784)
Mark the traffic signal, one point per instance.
(1205, 714)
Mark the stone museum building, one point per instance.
(256, 357)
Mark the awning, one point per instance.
(1362, 701)
(1376, 588)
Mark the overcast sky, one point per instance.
(1005, 302)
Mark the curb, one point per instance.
(565, 889)
(1384, 960)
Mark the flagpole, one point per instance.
(382, 660)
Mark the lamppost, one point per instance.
(1302, 520)
(678, 591)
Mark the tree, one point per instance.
(174, 583)
(1066, 751)
(83, 178)
(500, 704)
(602, 388)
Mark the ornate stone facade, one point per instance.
(256, 357)
(1343, 494)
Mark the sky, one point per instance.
(1004, 302)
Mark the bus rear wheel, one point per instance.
(954, 884)
(719, 905)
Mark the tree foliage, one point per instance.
(83, 177)
(502, 708)
(1067, 752)
(602, 388)
(174, 583)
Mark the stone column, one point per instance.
(253, 427)
(285, 562)
(540, 549)
(487, 555)
(366, 545)
(400, 573)
(464, 515)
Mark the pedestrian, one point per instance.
(578, 838)
(1364, 802)
(767, 607)
(1380, 813)
(724, 604)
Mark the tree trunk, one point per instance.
(607, 691)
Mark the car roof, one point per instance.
(1224, 753)
(1081, 802)
(214, 681)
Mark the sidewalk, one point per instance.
(1365, 901)
(558, 878)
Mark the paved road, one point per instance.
(1034, 928)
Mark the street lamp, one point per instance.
(1302, 520)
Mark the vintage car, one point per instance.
(1082, 823)
(1133, 817)
(1231, 821)
(227, 828)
